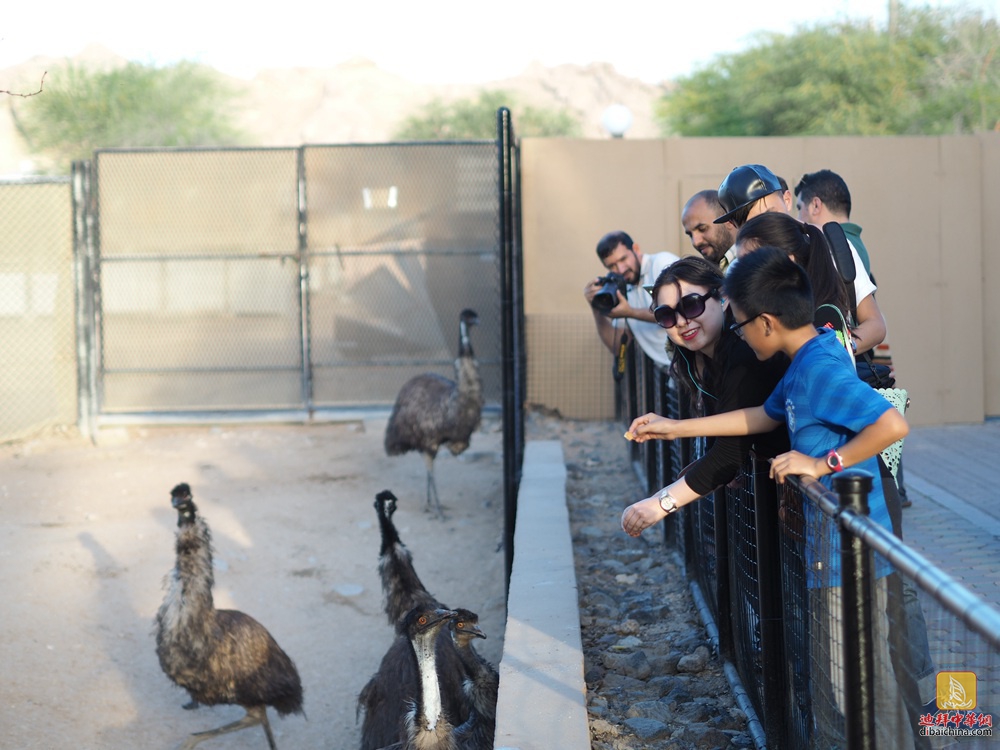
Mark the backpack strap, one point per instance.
(840, 249)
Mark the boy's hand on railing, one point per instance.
(641, 515)
(797, 463)
(652, 427)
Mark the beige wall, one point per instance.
(923, 203)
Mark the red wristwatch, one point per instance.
(834, 461)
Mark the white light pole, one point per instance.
(616, 119)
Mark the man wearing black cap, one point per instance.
(751, 190)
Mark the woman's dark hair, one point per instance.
(684, 363)
(810, 248)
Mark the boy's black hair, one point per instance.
(768, 281)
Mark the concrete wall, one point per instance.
(924, 203)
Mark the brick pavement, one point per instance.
(952, 475)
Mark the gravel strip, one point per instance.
(653, 680)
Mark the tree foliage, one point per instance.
(131, 106)
(936, 72)
(475, 119)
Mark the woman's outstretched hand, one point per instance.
(641, 515)
(652, 427)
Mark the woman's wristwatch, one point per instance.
(668, 503)
(834, 461)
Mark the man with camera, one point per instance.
(620, 295)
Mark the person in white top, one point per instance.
(625, 299)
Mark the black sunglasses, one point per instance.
(690, 306)
(737, 328)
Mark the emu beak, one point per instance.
(442, 614)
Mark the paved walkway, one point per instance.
(952, 475)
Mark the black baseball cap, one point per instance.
(743, 186)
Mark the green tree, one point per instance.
(937, 72)
(475, 119)
(132, 106)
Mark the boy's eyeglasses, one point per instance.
(690, 306)
(737, 328)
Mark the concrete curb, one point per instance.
(542, 702)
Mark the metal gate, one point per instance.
(286, 281)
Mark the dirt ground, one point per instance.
(86, 537)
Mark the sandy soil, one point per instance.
(86, 537)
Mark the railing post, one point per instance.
(769, 595)
(853, 486)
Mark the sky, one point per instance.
(442, 42)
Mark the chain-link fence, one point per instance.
(311, 278)
(38, 379)
(292, 280)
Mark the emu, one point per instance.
(402, 589)
(426, 726)
(460, 669)
(431, 410)
(463, 680)
(219, 656)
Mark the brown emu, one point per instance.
(219, 656)
(431, 410)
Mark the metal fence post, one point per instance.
(853, 486)
(83, 259)
(769, 595)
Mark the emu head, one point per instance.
(465, 320)
(385, 503)
(465, 626)
(419, 620)
(180, 498)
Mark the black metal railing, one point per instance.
(841, 634)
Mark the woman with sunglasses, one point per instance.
(718, 372)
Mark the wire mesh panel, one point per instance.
(401, 238)
(291, 279)
(199, 280)
(745, 603)
(961, 692)
(38, 384)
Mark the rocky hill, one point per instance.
(358, 102)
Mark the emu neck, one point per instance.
(430, 690)
(194, 566)
(469, 385)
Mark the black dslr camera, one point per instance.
(607, 298)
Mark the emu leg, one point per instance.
(432, 492)
(254, 716)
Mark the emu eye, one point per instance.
(459, 625)
(422, 620)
